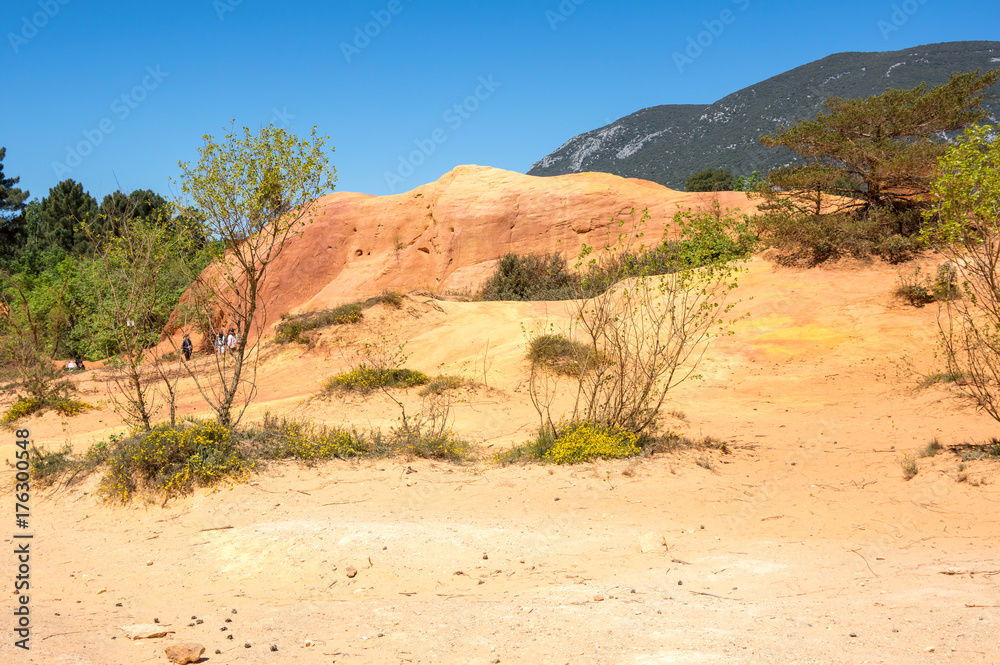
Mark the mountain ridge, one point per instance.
(668, 143)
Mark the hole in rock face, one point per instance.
(425, 250)
(358, 252)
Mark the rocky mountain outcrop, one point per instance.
(667, 144)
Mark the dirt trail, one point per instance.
(805, 544)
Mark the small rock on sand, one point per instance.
(144, 631)
(351, 571)
(186, 652)
(652, 542)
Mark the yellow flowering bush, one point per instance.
(173, 461)
(365, 379)
(294, 439)
(585, 441)
(25, 406)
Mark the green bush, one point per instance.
(48, 466)
(531, 278)
(561, 355)
(390, 298)
(284, 438)
(807, 239)
(291, 327)
(25, 406)
(441, 384)
(365, 379)
(710, 180)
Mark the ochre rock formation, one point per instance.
(449, 234)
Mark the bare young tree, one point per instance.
(131, 256)
(254, 194)
(645, 318)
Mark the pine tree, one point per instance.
(63, 211)
(12, 226)
(880, 151)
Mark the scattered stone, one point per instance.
(200, 621)
(652, 542)
(598, 598)
(102, 591)
(193, 617)
(149, 563)
(854, 634)
(229, 636)
(229, 620)
(235, 612)
(308, 643)
(144, 631)
(118, 604)
(223, 629)
(556, 499)
(218, 651)
(895, 630)
(458, 572)
(156, 621)
(274, 647)
(351, 571)
(186, 652)
(485, 556)
(680, 583)
(380, 635)
(930, 649)
(495, 661)
(246, 645)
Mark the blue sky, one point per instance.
(116, 93)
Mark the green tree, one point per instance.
(253, 194)
(710, 180)
(62, 212)
(879, 151)
(12, 223)
(965, 221)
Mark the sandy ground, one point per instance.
(805, 544)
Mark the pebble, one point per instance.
(351, 571)
(854, 634)
(598, 598)
(246, 645)
(274, 647)
(485, 556)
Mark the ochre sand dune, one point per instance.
(804, 545)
